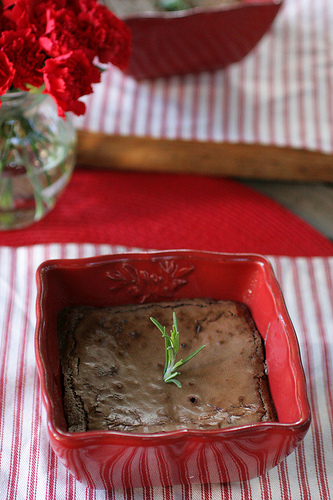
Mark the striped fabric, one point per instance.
(280, 94)
(28, 466)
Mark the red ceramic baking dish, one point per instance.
(113, 459)
(198, 39)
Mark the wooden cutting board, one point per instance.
(252, 161)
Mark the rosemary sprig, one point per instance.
(172, 343)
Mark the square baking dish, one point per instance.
(198, 39)
(113, 460)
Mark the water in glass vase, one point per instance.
(37, 156)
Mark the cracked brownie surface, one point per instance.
(112, 363)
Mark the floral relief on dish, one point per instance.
(143, 284)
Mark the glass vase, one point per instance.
(37, 156)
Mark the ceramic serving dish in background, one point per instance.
(198, 39)
(111, 459)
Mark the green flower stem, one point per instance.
(5, 145)
(33, 138)
(6, 200)
(29, 129)
(37, 155)
(6, 187)
(40, 200)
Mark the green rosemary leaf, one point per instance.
(161, 328)
(178, 384)
(172, 376)
(192, 355)
(172, 344)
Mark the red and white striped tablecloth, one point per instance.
(28, 466)
(280, 94)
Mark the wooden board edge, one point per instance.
(252, 161)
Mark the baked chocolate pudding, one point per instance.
(112, 363)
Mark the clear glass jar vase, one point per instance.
(37, 156)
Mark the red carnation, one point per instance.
(6, 73)
(62, 34)
(108, 36)
(83, 5)
(39, 10)
(17, 14)
(7, 3)
(55, 42)
(69, 77)
(22, 49)
(5, 23)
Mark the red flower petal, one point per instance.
(69, 77)
(6, 73)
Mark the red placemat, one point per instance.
(163, 211)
